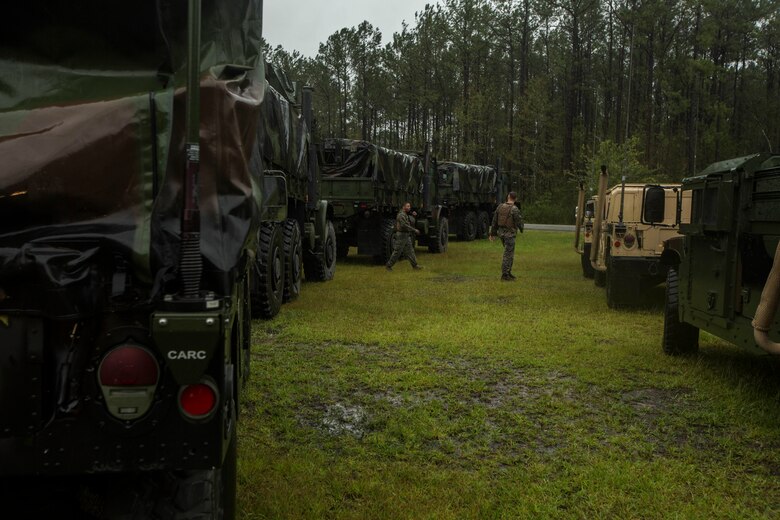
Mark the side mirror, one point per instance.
(655, 204)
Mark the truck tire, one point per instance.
(483, 224)
(469, 228)
(293, 257)
(321, 266)
(679, 338)
(440, 242)
(268, 284)
(587, 267)
(387, 231)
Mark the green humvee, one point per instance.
(128, 224)
(723, 270)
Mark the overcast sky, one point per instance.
(304, 24)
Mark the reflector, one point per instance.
(198, 400)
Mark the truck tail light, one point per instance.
(617, 243)
(198, 401)
(629, 241)
(128, 376)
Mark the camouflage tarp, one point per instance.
(390, 170)
(467, 178)
(282, 134)
(92, 140)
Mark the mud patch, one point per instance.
(341, 419)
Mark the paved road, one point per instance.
(550, 227)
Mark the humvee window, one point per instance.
(655, 204)
(705, 206)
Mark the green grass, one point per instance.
(447, 393)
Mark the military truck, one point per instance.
(296, 234)
(632, 223)
(583, 231)
(367, 185)
(128, 219)
(724, 271)
(467, 193)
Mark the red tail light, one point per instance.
(617, 243)
(129, 365)
(198, 401)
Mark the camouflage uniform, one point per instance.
(402, 242)
(506, 221)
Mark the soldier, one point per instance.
(506, 221)
(402, 242)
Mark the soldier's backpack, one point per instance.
(505, 216)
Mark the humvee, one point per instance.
(583, 231)
(128, 225)
(724, 270)
(632, 223)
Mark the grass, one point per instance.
(449, 394)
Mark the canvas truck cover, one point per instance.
(391, 171)
(282, 135)
(468, 178)
(92, 141)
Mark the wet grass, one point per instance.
(449, 394)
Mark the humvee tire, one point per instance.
(440, 242)
(679, 338)
(293, 257)
(268, 285)
(468, 230)
(587, 267)
(483, 224)
(322, 267)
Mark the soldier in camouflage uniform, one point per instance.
(402, 242)
(506, 221)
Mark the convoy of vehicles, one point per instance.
(724, 271)
(632, 223)
(296, 234)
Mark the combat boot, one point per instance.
(507, 278)
(417, 267)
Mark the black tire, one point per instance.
(268, 284)
(387, 232)
(587, 267)
(599, 278)
(679, 338)
(469, 227)
(483, 224)
(613, 290)
(293, 257)
(320, 266)
(440, 242)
